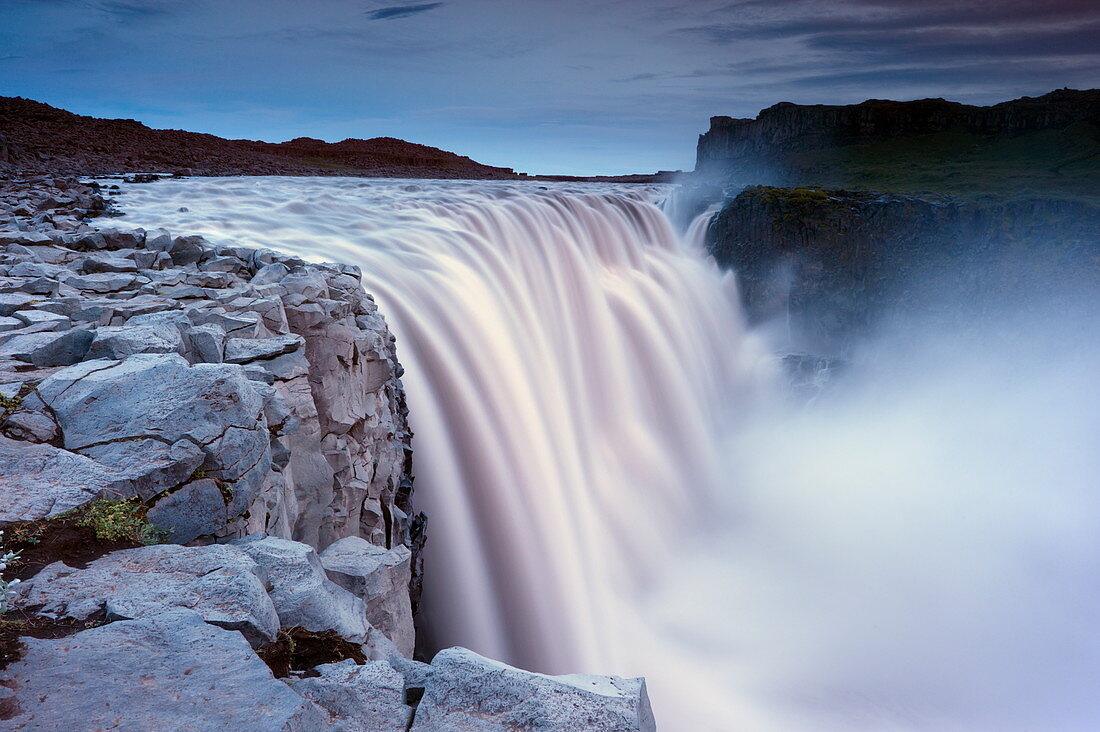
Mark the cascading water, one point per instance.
(570, 362)
(915, 552)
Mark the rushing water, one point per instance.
(611, 488)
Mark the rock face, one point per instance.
(830, 263)
(381, 578)
(785, 127)
(233, 390)
(464, 691)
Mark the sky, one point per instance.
(558, 86)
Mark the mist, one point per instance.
(915, 548)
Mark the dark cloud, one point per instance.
(931, 46)
(990, 72)
(134, 10)
(401, 11)
(857, 16)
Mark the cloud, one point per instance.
(131, 10)
(401, 11)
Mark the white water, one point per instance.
(607, 494)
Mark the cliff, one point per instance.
(1045, 144)
(830, 263)
(205, 481)
(36, 137)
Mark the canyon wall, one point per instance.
(831, 262)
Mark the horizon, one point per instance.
(605, 88)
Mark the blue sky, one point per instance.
(561, 86)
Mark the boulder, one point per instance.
(304, 597)
(49, 348)
(220, 583)
(197, 509)
(381, 578)
(42, 481)
(205, 344)
(150, 465)
(31, 421)
(118, 342)
(465, 692)
(169, 671)
(55, 321)
(243, 350)
(366, 698)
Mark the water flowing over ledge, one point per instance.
(570, 363)
(605, 497)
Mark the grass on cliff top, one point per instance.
(1049, 163)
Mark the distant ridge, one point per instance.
(35, 137)
(1047, 143)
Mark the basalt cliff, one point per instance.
(205, 483)
(834, 216)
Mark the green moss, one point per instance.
(120, 521)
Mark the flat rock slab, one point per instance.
(221, 583)
(465, 692)
(170, 671)
(41, 481)
(244, 350)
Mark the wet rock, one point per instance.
(381, 578)
(465, 691)
(186, 250)
(303, 595)
(170, 671)
(220, 583)
(360, 698)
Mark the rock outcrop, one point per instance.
(830, 263)
(1042, 145)
(787, 127)
(191, 376)
(246, 408)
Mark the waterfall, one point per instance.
(570, 363)
(612, 488)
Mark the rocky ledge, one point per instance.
(205, 467)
